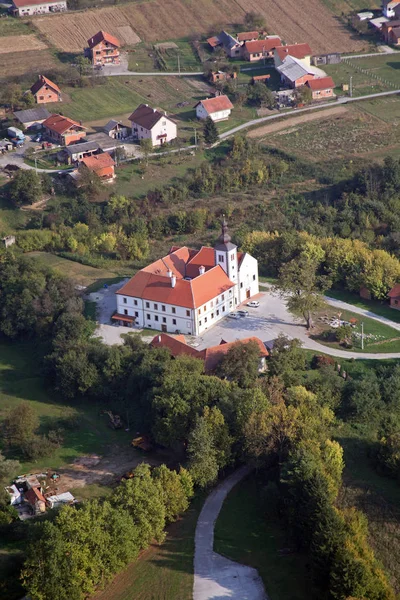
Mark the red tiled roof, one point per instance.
(44, 81)
(60, 124)
(203, 258)
(321, 83)
(395, 291)
(176, 345)
(103, 36)
(98, 161)
(297, 50)
(34, 495)
(259, 46)
(247, 35)
(215, 354)
(22, 3)
(213, 41)
(216, 104)
(147, 117)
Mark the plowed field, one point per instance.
(306, 21)
(20, 43)
(20, 63)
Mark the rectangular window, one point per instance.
(125, 311)
(254, 277)
(220, 258)
(205, 319)
(211, 303)
(230, 292)
(230, 304)
(147, 304)
(232, 257)
(156, 318)
(164, 320)
(148, 317)
(223, 309)
(199, 323)
(188, 313)
(156, 307)
(212, 315)
(205, 308)
(218, 313)
(199, 311)
(135, 302)
(163, 307)
(136, 314)
(223, 297)
(241, 285)
(173, 310)
(125, 300)
(173, 321)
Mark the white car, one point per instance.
(234, 316)
(253, 304)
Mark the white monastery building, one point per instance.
(188, 290)
(218, 108)
(25, 8)
(150, 123)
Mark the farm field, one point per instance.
(13, 64)
(339, 7)
(10, 26)
(248, 531)
(351, 132)
(362, 83)
(20, 43)
(80, 274)
(386, 67)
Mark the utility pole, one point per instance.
(35, 162)
(179, 63)
(195, 137)
(362, 335)
(351, 86)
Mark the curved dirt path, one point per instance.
(216, 577)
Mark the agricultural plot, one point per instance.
(20, 43)
(363, 81)
(14, 64)
(339, 7)
(385, 68)
(314, 24)
(348, 133)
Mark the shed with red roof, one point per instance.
(218, 108)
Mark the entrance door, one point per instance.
(247, 293)
(164, 328)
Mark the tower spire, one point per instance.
(224, 238)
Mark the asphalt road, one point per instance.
(216, 577)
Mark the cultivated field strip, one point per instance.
(20, 43)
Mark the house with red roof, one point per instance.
(301, 52)
(247, 36)
(62, 130)
(100, 164)
(153, 124)
(321, 88)
(103, 49)
(259, 49)
(212, 356)
(218, 108)
(45, 91)
(188, 290)
(394, 297)
(26, 8)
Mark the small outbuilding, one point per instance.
(116, 130)
(394, 297)
(32, 117)
(60, 499)
(218, 108)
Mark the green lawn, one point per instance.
(363, 83)
(11, 218)
(348, 6)
(247, 533)
(379, 338)
(386, 67)
(387, 109)
(378, 307)
(20, 380)
(162, 572)
(14, 26)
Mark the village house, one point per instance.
(321, 88)
(394, 297)
(103, 49)
(62, 130)
(214, 42)
(150, 123)
(389, 8)
(188, 290)
(26, 8)
(218, 108)
(45, 91)
(231, 45)
(247, 36)
(391, 32)
(295, 73)
(100, 164)
(74, 153)
(215, 76)
(212, 356)
(32, 117)
(301, 52)
(116, 130)
(259, 49)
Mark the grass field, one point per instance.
(250, 534)
(11, 218)
(339, 7)
(383, 338)
(90, 277)
(385, 67)
(162, 572)
(362, 83)
(378, 307)
(12, 26)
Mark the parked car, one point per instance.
(243, 313)
(38, 138)
(253, 304)
(234, 315)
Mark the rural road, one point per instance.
(216, 577)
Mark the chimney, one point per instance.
(159, 339)
(169, 273)
(202, 270)
(173, 281)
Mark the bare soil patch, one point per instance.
(309, 21)
(289, 123)
(20, 43)
(20, 63)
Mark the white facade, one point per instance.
(388, 8)
(248, 278)
(162, 132)
(221, 115)
(40, 9)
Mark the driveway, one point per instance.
(216, 577)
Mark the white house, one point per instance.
(188, 290)
(116, 130)
(150, 123)
(24, 8)
(388, 8)
(218, 108)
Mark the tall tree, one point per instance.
(25, 187)
(240, 364)
(210, 131)
(203, 463)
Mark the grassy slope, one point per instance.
(348, 6)
(245, 533)
(379, 308)
(162, 572)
